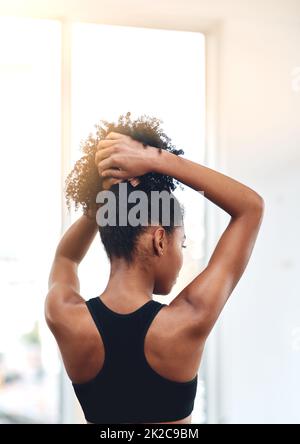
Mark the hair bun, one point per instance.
(83, 182)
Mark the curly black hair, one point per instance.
(84, 183)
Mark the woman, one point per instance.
(130, 358)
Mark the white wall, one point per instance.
(260, 142)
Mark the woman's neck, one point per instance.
(130, 285)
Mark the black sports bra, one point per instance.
(127, 389)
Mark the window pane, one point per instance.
(30, 222)
(160, 73)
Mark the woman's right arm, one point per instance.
(121, 157)
(209, 291)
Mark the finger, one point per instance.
(113, 181)
(109, 182)
(114, 135)
(109, 162)
(106, 143)
(103, 154)
(114, 172)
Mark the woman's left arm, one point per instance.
(63, 283)
(70, 251)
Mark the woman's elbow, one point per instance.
(256, 207)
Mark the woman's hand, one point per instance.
(122, 158)
(108, 182)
